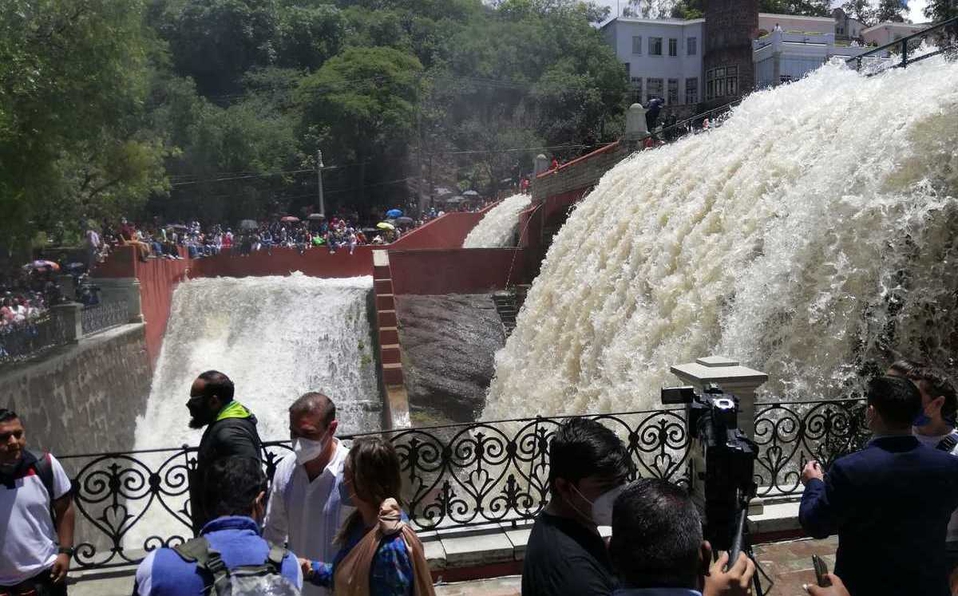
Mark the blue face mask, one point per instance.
(345, 497)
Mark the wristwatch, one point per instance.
(65, 550)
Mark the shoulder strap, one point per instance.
(44, 470)
(199, 551)
(948, 443)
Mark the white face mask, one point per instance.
(307, 450)
(601, 507)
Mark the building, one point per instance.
(730, 27)
(795, 24)
(663, 58)
(883, 33)
(785, 56)
(846, 27)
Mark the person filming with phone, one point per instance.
(889, 503)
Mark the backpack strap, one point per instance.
(44, 470)
(199, 551)
(947, 444)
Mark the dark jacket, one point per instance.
(232, 433)
(890, 504)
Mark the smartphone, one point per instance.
(820, 570)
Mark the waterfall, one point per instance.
(811, 236)
(498, 227)
(276, 338)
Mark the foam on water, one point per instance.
(497, 228)
(276, 338)
(811, 236)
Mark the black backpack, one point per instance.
(245, 580)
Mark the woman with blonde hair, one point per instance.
(380, 555)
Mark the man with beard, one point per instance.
(230, 431)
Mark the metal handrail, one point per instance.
(682, 124)
(903, 42)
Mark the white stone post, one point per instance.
(69, 315)
(732, 378)
(636, 128)
(122, 289)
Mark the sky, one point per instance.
(915, 7)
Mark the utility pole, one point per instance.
(319, 175)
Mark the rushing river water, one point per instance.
(811, 236)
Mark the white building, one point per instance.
(883, 33)
(663, 57)
(846, 27)
(784, 56)
(795, 24)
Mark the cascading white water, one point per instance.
(811, 236)
(276, 338)
(497, 228)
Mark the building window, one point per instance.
(656, 88)
(692, 45)
(673, 92)
(692, 90)
(655, 46)
(785, 79)
(636, 89)
(628, 71)
(721, 82)
(637, 44)
(673, 47)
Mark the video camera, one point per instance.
(721, 461)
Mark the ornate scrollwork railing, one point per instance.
(791, 433)
(455, 475)
(97, 317)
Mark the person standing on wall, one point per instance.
(889, 503)
(588, 467)
(304, 507)
(230, 431)
(36, 527)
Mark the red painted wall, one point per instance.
(315, 262)
(457, 271)
(449, 231)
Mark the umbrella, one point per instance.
(455, 200)
(442, 191)
(316, 217)
(41, 264)
(394, 213)
(470, 193)
(75, 266)
(385, 226)
(248, 224)
(289, 218)
(405, 221)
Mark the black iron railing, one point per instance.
(102, 316)
(24, 340)
(902, 52)
(456, 475)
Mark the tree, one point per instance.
(861, 11)
(942, 10)
(73, 138)
(360, 108)
(890, 11)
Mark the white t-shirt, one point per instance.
(308, 514)
(932, 441)
(28, 540)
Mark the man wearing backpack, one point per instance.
(230, 556)
(36, 532)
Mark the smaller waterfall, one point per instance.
(498, 228)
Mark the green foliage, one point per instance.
(73, 79)
(694, 9)
(942, 10)
(890, 11)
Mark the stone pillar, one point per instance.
(122, 289)
(732, 378)
(541, 164)
(69, 317)
(68, 287)
(636, 128)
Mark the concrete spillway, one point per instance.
(811, 236)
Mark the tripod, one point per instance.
(741, 542)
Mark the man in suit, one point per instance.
(889, 503)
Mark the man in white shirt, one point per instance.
(304, 505)
(36, 528)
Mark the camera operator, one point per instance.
(657, 547)
(889, 503)
(565, 553)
